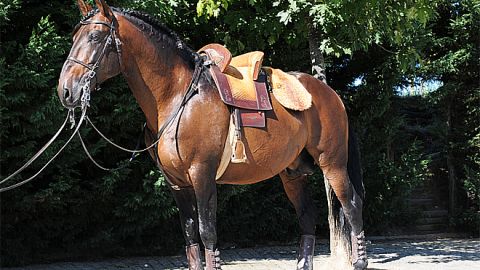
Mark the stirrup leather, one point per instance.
(238, 148)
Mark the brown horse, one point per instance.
(179, 99)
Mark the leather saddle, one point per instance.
(243, 85)
(240, 82)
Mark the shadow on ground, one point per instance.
(383, 255)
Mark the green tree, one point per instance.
(341, 27)
(453, 59)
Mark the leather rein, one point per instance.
(85, 103)
(191, 90)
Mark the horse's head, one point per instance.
(94, 56)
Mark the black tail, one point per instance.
(354, 167)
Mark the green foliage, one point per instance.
(454, 59)
(75, 210)
(6, 7)
(344, 26)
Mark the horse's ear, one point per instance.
(84, 7)
(104, 8)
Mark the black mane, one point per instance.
(156, 29)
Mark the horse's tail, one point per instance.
(354, 167)
(340, 242)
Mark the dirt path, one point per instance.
(398, 254)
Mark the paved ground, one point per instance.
(436, 254)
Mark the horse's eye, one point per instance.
(94, 36)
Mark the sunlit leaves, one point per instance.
(6, 7)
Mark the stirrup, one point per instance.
(238, 153)
(359, 251)
(238, 148)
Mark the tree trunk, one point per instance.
(316, 55)
(452, 178)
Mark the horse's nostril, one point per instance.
(66, 94)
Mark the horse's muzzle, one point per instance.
(70, 99)
(70, 92)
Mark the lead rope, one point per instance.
(90, 156)
(118, 146)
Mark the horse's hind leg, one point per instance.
(187, 204)
(294, 183)
(352, 205)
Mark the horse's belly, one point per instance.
(269, 150)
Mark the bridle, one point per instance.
(91, 74)
(200, 64)
(92, 68)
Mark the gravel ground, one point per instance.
(437, 254)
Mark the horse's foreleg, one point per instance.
(296, 188)
(352, 206)
(187, 204)
(203, 179)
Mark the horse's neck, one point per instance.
(157, 76)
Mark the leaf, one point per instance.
(285, 17)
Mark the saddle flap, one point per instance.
(241, 92)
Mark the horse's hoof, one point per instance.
(360, 264)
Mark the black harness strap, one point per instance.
(191, 90)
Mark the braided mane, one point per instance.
(149, 23)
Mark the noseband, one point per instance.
(92, 73)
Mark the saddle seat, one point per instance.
(240, 82)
